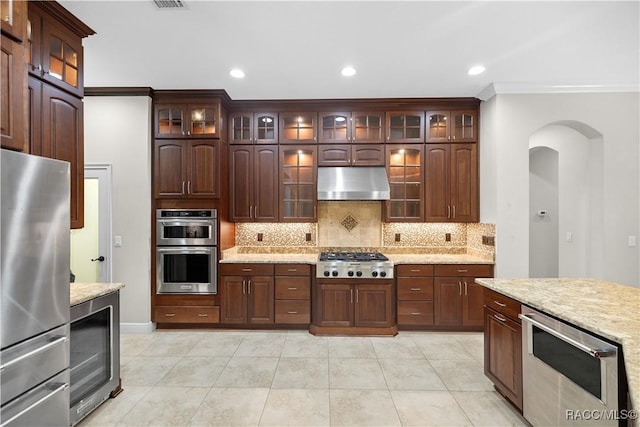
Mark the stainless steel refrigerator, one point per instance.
(34, 291)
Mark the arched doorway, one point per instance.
(566, 164)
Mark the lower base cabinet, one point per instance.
(293, 293)
(247, 293)
(503, 345)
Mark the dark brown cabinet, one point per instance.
(351, 155)
(405, 126)
(298, 182)
(451, 126)
(247, 292)
(253, 183)
(292, 293)
(187, 120)
(13, 19)
(406, 180)
(452, 183)
(503, 345)
(298, 128)
(13, 94)
(351, 127)
(457, 299)
(367, 307)
(415, 294)
(253, 128)
(187, 169)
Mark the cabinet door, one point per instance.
(298, 128)
(367, 127)
(203, 170)
(503, 354)
(472, 303)
(334, 305)
(170, 120)
(13, 95)
(169, 169)
(447, 301)
(367, 154)
(203, 120)
(13, 14)
(265, 183)
(464, 126)
(464, 183)
(405, 171)
(438, 126)
(334, 155)
(260, 299)
(298, 183)
(334, 128)
(405, 126)
(241, 129)
(62, 57)
(241, 182)
(62, 133)
(234, 299)
(265, 128)
(35, 115)
(374, 306)
(438, 206)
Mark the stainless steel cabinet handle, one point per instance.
(462, 271)
(417, 270)
(351, 296)
(357, 296)
(448, 211)
(249, 287)
(58, 389)
(416, 289)
(203, 315)
(56, 340)
(460, 288)
(500, 318)
(454, 211)
(188, 187)
(500, 303)
(183, 182)
(465, 288)
(292, 289)
(247, 269)
(255, 211)
(292, 270)
(244, 284)
(292, 312)
(416, 314)
(169, 315)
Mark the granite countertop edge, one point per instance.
(80, 292)
(395, 258)
(604, 308)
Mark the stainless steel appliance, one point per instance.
(34, 288)
(570, 377)
(186, 251)
(95, 354)
(365, 265)
(353, 183)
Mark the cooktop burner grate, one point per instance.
(352, 256)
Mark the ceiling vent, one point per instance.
(168, 4)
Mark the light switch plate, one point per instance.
(117, 241)
(632, 241)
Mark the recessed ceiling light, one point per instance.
(475, 70)
(237, 73)
(348, 71)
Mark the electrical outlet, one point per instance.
(447, 237)
(307, 237)
(489, 240)
(397, 237)
(260, 237)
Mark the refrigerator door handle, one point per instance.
(56, 341)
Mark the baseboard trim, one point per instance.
(137, 328)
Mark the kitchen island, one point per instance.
(604, 308)
(82, 292)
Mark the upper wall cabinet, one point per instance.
(405, 126)
(187, 120)
(351, 127)
(13, 91)
(298, 128)
(452, 126)
(13, 20)
(253, 128)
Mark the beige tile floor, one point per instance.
(292, 378)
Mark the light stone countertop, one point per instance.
(605, 308)
(82, 292)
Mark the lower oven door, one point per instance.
(186, 270)
(95, 353)
(569, 377)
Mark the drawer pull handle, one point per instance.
(415, 270)
(292, 312)
(170, 315)
(247, 269)
(501, 304)
(500, 318)
(292, 270)
(292, 289)
(203, 315)
(416, 289)
(462, 271)
(416, 314)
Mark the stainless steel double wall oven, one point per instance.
(186, 251)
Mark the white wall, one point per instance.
(512, 119)
(117, 130)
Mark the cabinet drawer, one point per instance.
(192, 314)
(415, 312)
(415, 289)
(293, 311)
(473, 270)
(412, 270)
(293, 269)
(246, 269)
(293, 288)
(502, 304)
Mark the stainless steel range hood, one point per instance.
(353, 183)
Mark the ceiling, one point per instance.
(296, 49)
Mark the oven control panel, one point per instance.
(355, 270)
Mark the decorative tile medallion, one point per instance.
(349, 222)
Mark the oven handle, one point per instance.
(593, 352)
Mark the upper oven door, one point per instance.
(186, 232)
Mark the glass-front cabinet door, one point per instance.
(334, 128)
(298, 128)
(298, 183)
(203, 120)
(437, 126)
(170, 120)
(12, 18)
(185, 120)
(367, 128)
(464, 126)
(406, 171)
(405, 126)
(265, 128)
(241, 131)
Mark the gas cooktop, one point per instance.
(356, 265)
(352, 256)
